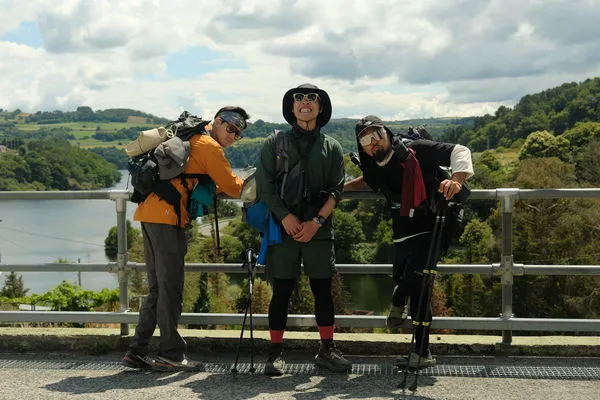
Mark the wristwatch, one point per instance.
(319, 219)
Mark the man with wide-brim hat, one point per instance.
(302, 201)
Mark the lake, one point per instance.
(45, 231)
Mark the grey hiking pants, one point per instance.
(164, 251)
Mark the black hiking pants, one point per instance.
(410, 258)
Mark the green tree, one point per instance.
(582, 134)
(348, 232)
(370, 213)
(248, 236)
(544, 144)
(341, 296)
(302, 301)
(588, 164)
(111, 242)
(489, 159)
(13, 286)
(385, 244)
(261, 296)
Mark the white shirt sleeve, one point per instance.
(460, 160)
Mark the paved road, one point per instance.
(205, 228)
(60, 376)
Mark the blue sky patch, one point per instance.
(27, 33)
(192, 62)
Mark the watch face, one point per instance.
(321, 219)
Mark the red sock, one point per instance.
(276, 336)
(326, 332)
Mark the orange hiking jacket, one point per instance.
(206, 157)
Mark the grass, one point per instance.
(83, 130)
(507, 156)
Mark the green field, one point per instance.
(83, 131)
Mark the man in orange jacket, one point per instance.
(165, 243)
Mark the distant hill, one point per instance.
(555, 110)
(81, 114)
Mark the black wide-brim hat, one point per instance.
(287, 104)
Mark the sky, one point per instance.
(398, 59)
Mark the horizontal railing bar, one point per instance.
(57, 195)
(561, 270)
(476, 194)
(529, 194)
(298, 320)
(58, 267)
(371, 269)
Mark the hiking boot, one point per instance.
(331, 358)
(397, 316)
(414, 361)
(275, 364)
(137, 361)
(164, 364)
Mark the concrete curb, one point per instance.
(101, 341)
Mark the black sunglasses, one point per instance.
(233, 129)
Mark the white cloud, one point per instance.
(396, 58)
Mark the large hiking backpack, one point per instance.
(455, 214)
(145, 172)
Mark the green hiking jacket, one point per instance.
(324, 170)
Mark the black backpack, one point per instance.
(455, 221)
(144, 170)
(455, 214)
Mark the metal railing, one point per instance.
(506, 269)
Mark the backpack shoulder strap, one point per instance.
(282, 146)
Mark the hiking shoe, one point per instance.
(163, 364)
(331, 357)
(414, 361)
(137, 361)
(397, 316)
(275, 363)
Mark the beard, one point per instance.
(380, 155)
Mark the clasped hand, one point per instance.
(299, 231)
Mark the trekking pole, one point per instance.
(250, 264)
(217, 237)
(429, 273)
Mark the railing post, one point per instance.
(121, 205)
(508, 197)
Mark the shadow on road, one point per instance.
(302, 387)
(122, 380)
(228, 386)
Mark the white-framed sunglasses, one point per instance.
(368, 137)
(312, 97)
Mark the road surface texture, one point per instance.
(42, 375)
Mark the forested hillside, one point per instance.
(53, 164)
(555, 110)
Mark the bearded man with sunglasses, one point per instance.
(409, 177)
(315, 180)
(165, 243)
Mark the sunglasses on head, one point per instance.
(312, 97)
(233, 129)
(367, 138)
